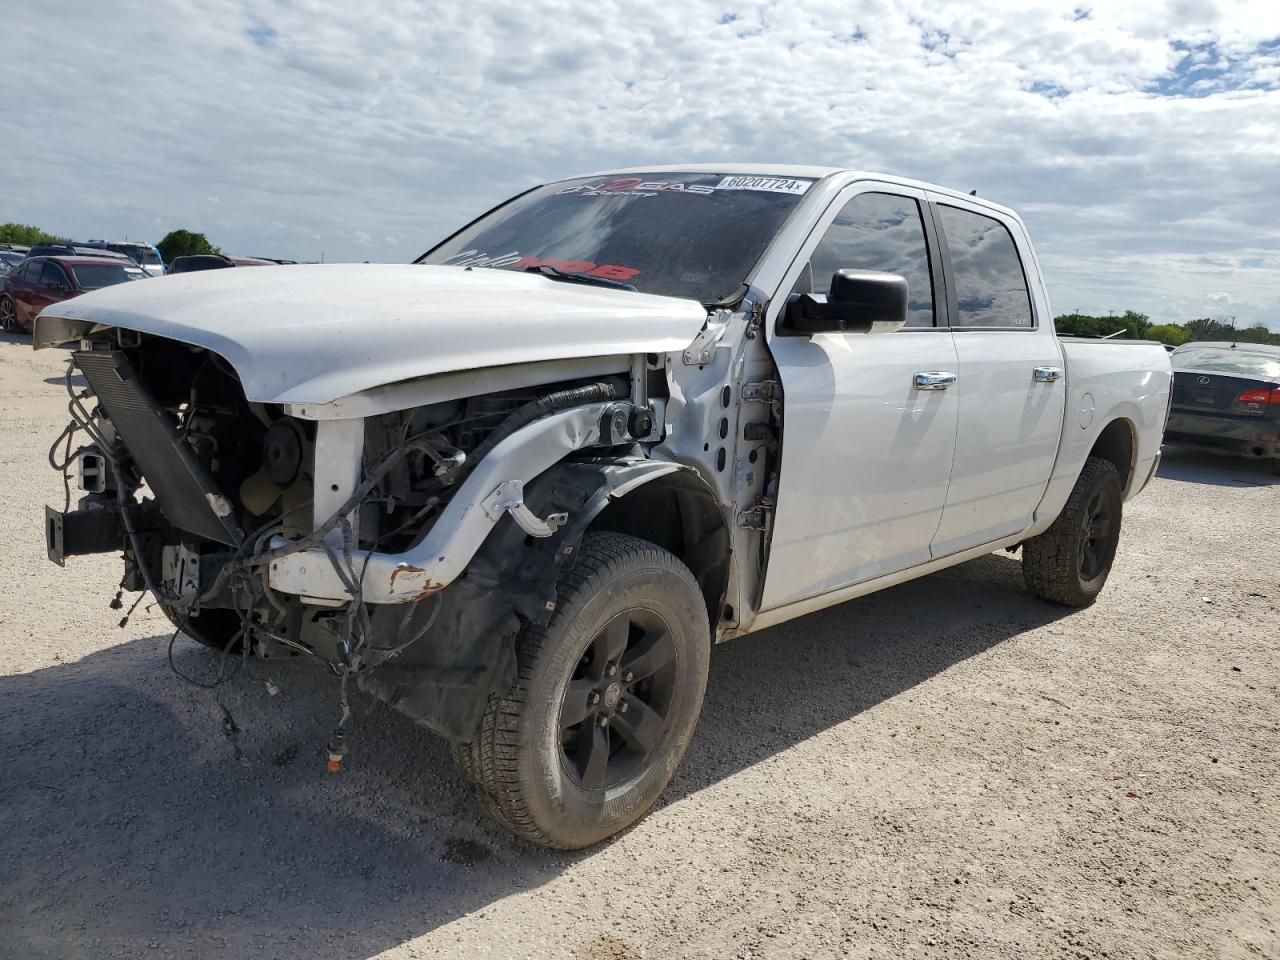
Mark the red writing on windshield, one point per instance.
(608, 271)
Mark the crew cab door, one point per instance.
(1011, 383)
(866, 452)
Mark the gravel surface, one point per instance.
(947, 769)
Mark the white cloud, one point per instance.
(1137, 139)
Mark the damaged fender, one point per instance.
(445, 681)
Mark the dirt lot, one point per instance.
(950, 768)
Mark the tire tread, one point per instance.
(1049, 561)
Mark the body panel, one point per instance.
(866, 457)
(1107, 381)
(312, 334)
(1010, 425)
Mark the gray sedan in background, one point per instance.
(1226, 397)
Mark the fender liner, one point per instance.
(445, 680)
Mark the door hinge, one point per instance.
(756, 517)
(764, 391)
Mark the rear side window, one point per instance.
(52, 274)
(877, 231)
(991, 288)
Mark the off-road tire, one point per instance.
(517, 759)
(1052, 562)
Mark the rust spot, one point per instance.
(404, 568)
(430, 588)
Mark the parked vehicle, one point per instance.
(214, 261)
(9, 259)
(145, 255)
(37, 282)
(680, 405)
(1226, 398)
(73, 250)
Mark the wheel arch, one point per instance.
(673, 507)
(1117, 443)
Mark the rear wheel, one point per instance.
(605, 700)
(8, 315)
(1070, 561)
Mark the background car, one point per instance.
(1226, 397)
(39, 281)
(143, 254)
(74, 250)
(214, 261)
(10, 259)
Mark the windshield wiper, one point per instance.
(551, 272)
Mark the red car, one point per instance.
(39, 281)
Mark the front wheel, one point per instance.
(8, 315)
(605, 700)
(1069, 562)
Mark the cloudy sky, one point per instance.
(1141, 142)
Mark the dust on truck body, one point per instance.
(518, 488)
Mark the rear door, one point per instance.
(1011, 386)
(866, 455)
(23, 289)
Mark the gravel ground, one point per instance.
(947, 769)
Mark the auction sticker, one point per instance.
(769, 184)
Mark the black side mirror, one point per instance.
(860, 301)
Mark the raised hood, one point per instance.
(315, 333)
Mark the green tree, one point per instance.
(184, 243)
(1130, 325)
(24, 233)
(1207, 328)
(1174, 334)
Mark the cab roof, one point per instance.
(806, 171)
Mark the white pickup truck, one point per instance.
(518, 488)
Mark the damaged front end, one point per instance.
(405, 549)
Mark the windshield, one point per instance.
(1225, 360)
(93, 276)
(694, 235)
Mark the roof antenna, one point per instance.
(973, 192)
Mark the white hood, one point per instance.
(315, 333)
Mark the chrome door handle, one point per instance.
(934, 380)
(1046, 374)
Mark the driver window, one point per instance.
(876, 231)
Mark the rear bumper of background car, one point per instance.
(1235, 435)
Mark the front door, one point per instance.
(866, 453)
(1011, 385)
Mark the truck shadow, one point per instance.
(1189, 465)
(129, 821)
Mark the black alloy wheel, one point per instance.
(1094, 545)
(615, 708)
